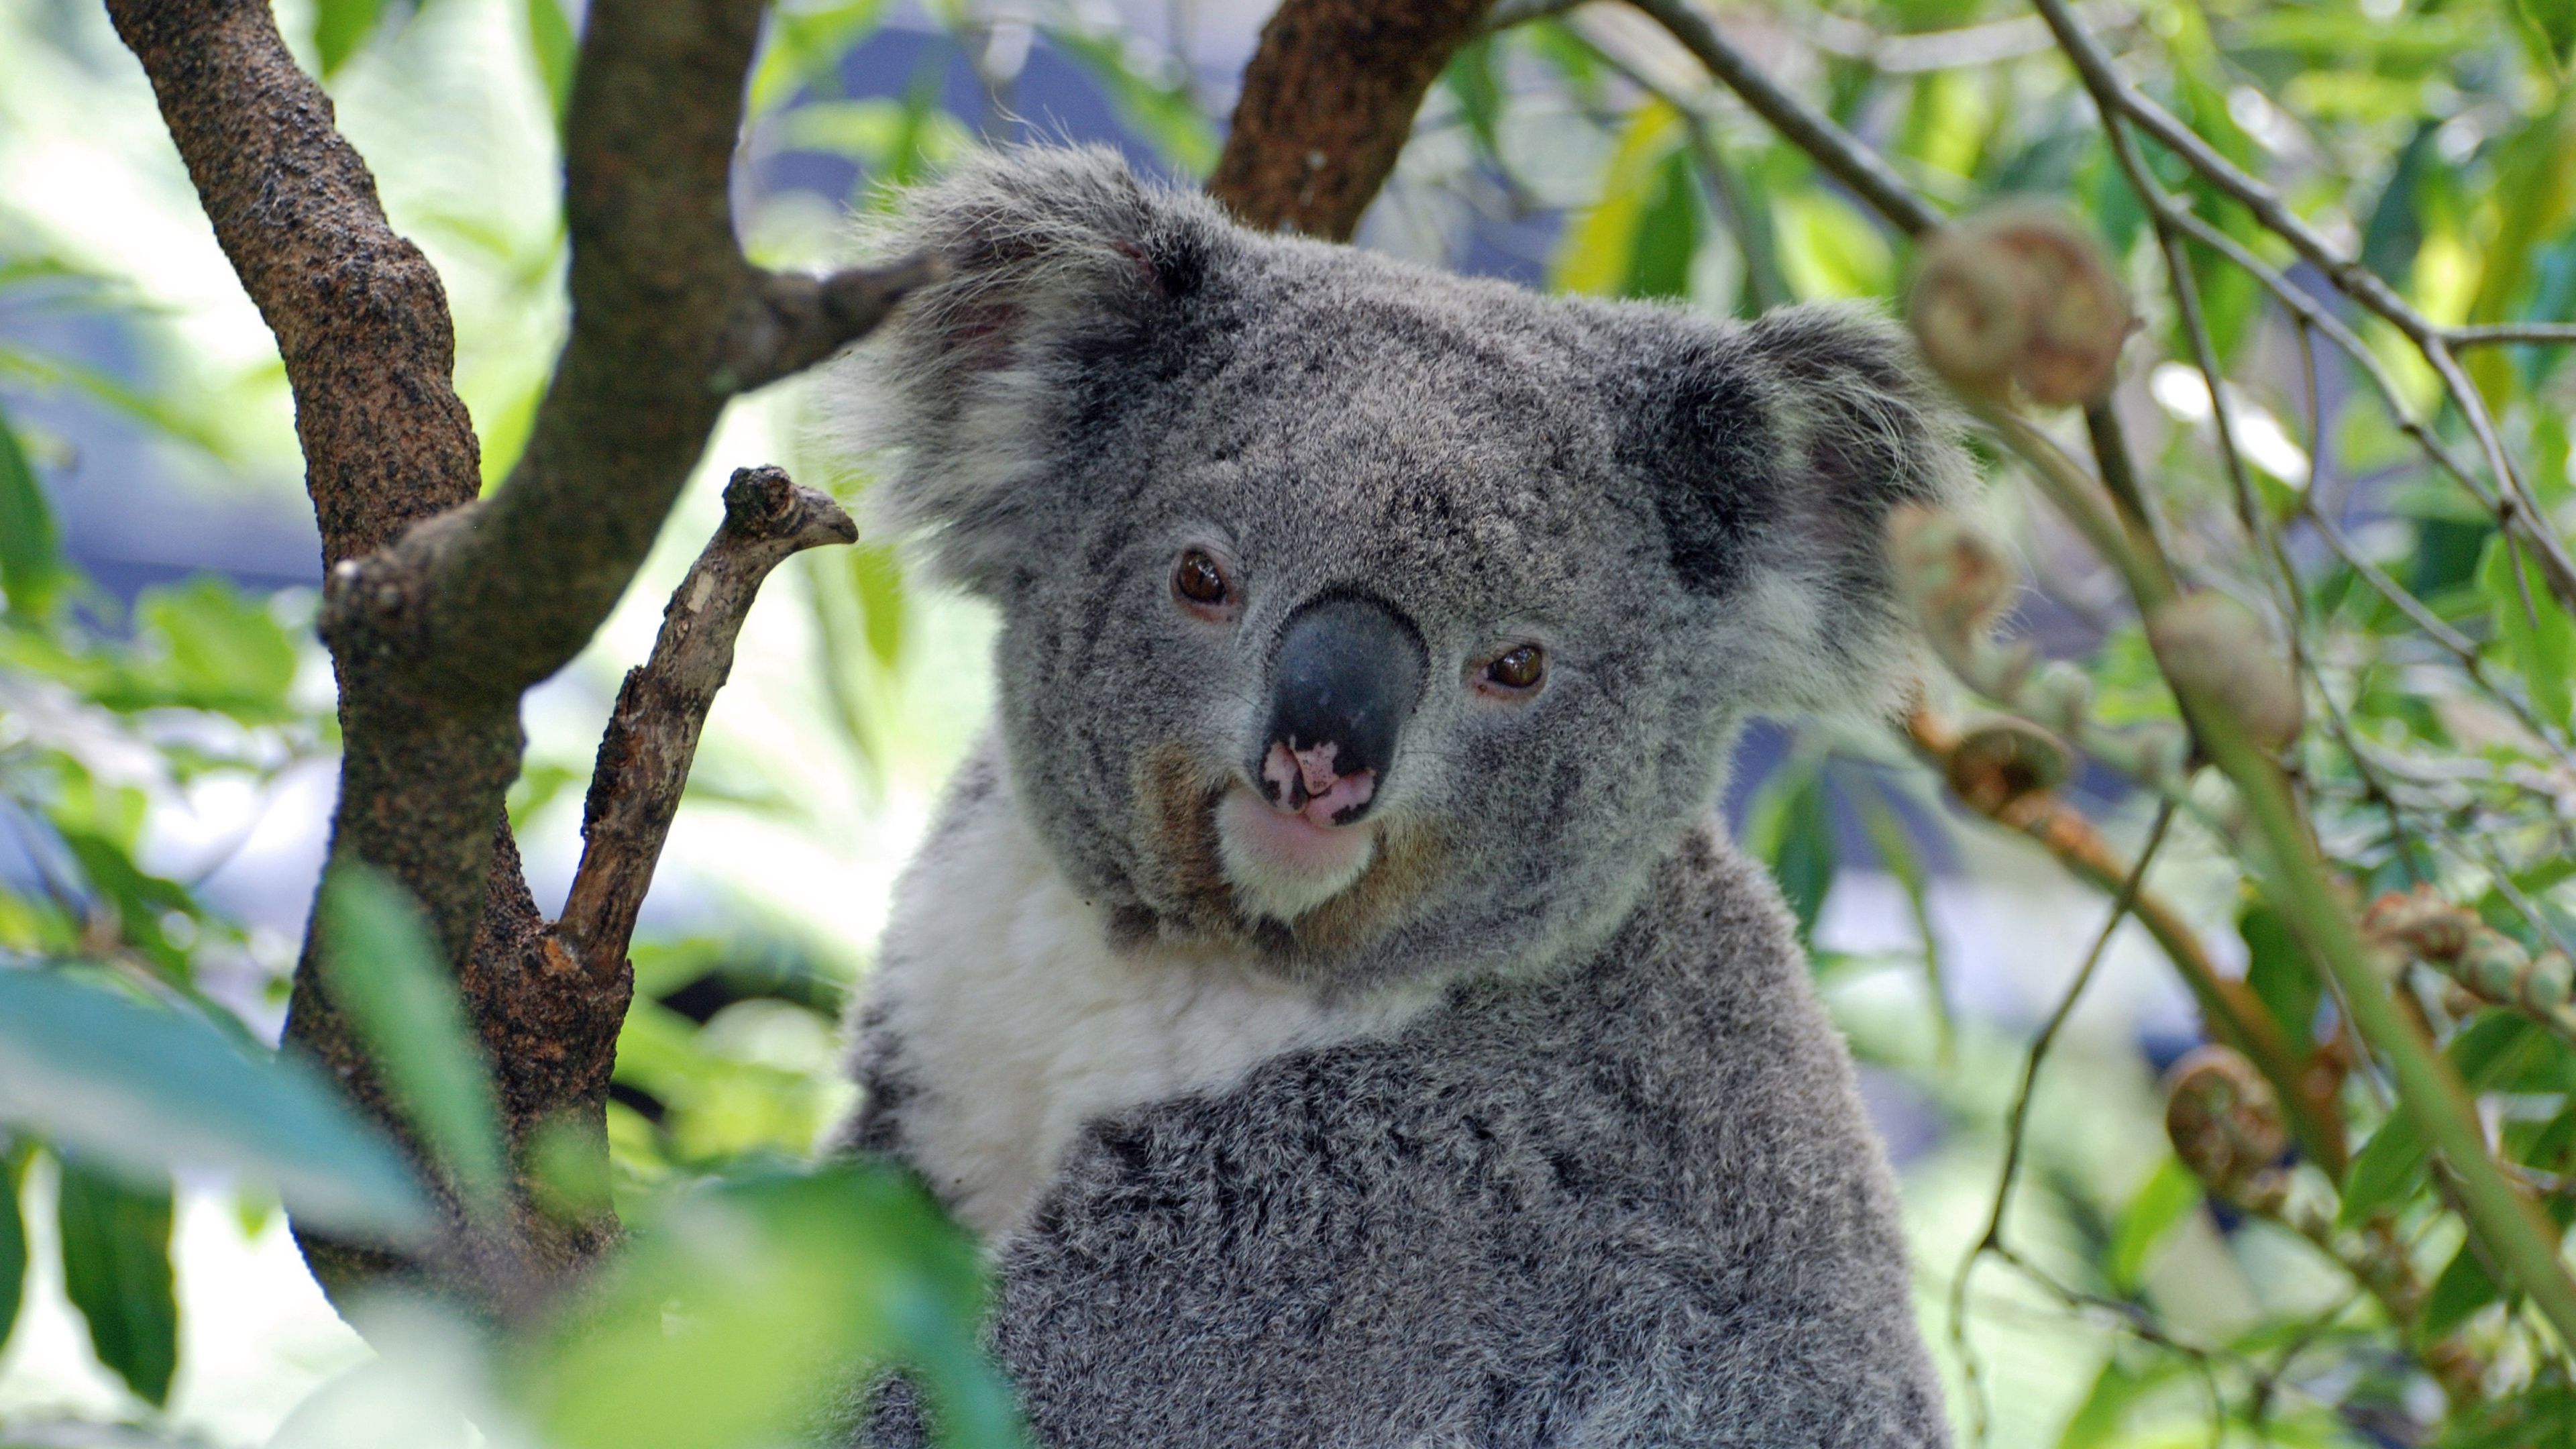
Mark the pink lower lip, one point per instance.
(1297, 843)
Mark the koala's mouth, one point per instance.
(1284, 863)
(1303, 900)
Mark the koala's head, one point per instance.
(1382, 620)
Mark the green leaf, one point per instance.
(382, 969)
(153, 1089)
(116, 1271)
(737, 1314)
(44, 370)
(13, 1244)
(2488, 1051)
(878, 575)
(2396, 230)
(140, 900)
(1792, 829)
(2554, 21)
(805, 45)
(2163, 1203)
(2098, 1421)
(1598, 253)
(1829, 249)
(340, 27)
(2280, 973)
(31, 563)
(1470, 81)
(535, 789)
(226, 651)
(1667, 233)
(2464, 1288)
(2543, 1416)
(2533, 633)
(556, 50)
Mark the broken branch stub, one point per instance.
(653, 734)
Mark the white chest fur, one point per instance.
(1018, 1024)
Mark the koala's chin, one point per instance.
(1282, 864)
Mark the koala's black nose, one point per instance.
(1347, 675)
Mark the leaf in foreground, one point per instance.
(752, 1311)
(384, 972)
(152, 1089)
(116, 1271)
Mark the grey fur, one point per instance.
(1615, 1188)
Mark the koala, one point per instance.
(1327, 989)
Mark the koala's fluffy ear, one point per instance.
(1775, 452)
(1066, 277)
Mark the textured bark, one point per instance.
(441, 610)
(1328, 101)
(653, 733)
(359, 314)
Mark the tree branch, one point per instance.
(359, 315)
(1832, 147)
(2232, 1012)
(1328, 101)
(497, 597)
(653, 733)
(2516, 511)
(2538, 334)
(441, 610)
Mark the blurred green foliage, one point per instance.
(2435, 138)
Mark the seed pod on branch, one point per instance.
(2005, 760)
(1956, 576)
(2214, 645)
(2491, 966)
(2020, 295)
(2225, 1122)
(2420, 923)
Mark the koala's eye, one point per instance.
(1200, 581)
(1517, 670)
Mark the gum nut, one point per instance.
(2211, 644)
(1969, 312)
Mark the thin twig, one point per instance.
(2017, 1123)
(2539, 334)
(1753, 237)
(2515, 509)
(1832, 147)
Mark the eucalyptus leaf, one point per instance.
(748, 1309)
(1668, 233)
(31, 564)
(2390, 1167)
(152, 1089)
(13, 1245)
(1792, 830)
(555, 48)
(2280, 973)
(340, 27)
(2163, 1203)
(116, 1271)
(383, 971)
(2533, 631)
